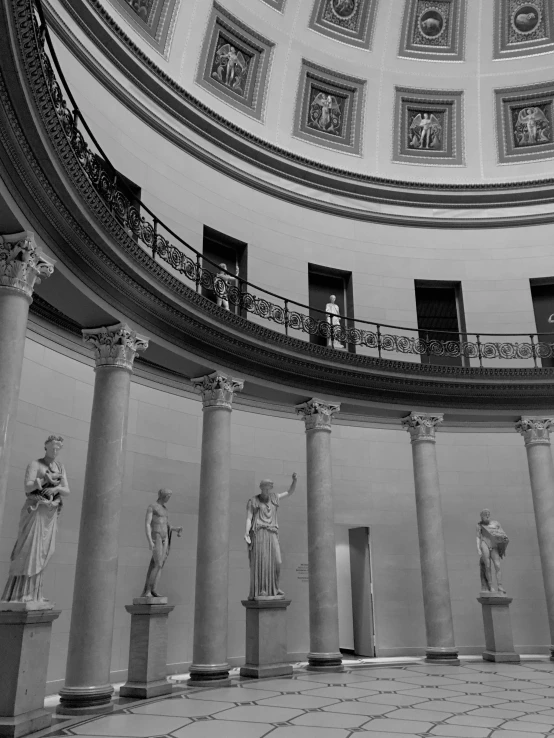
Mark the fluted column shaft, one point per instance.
(536, 433)
(22, 265)
(209, 660)
(87, 687)
(322, 565)
(432, 550)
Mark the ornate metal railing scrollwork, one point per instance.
(145, 227)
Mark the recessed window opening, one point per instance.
(331, 300)
(542, 294)
(440, 318)
(225, 253)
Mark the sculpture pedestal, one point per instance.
(24, 648)
(499, 643)
(266, 639)
(147, 675)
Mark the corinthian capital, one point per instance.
(115, 345)
(534, 430)
(22, 263)
(217, 389)
(317, 414)
(421, 426)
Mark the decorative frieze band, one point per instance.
(422, 426)
(115, 345)
(217, 389)
(534, 429)
(22, 263)
(317, 414)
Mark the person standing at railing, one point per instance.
(333, 318)
(223, 280)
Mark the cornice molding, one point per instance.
(125, 275)
(143, 73)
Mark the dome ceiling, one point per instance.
(449, 91)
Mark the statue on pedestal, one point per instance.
(262, 537)
(158, 533)
(45, 487)
(223, 280)
(333, 318)
(491, 545)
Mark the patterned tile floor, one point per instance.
(475, 700)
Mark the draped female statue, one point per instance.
(45, 487)
(262, 537)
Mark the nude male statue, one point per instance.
(158, 533)
(491, 545)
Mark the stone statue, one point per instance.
(262, 537)
(45, 487)
(491, 545)
(333, 318)
(158, 533)
(223, 280)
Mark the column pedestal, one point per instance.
(24, 649)
(266, 639)
(147, 674)
(499, 642)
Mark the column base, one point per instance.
(551, 653)
(29, 722)
(209, 675)
(499, 643)
(24, 648)
(85, 700)
(436, 655)
(266, 638)
(147, 673)
(325, 662)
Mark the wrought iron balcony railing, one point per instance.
(469, 349)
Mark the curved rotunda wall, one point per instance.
(372, 486)
(493, 265)
(379, 58)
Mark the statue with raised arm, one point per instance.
(262, 537)
(491, 545)
(222, 282)
(45, 488)
(158, 533)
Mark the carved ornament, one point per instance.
(115, 345)
(22, 263)
(422, 426)
(217, 389)
(534, 430)
(317, 414)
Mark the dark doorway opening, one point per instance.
(440, 317)
(322, 283)
(219, 248)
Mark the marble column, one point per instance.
(22, 266)
(536, 434)
(87, 683)
(432, 551)
(209, 659)
(322, 565)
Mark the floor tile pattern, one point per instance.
(475, 700)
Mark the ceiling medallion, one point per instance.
(344, 9)
(525, 18)
(431, 23)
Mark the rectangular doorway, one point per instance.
(355, 590)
